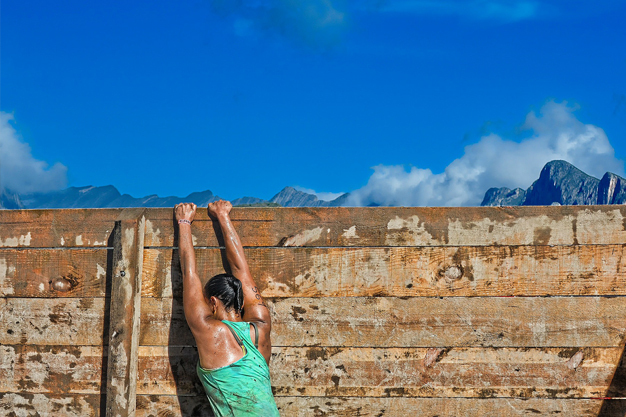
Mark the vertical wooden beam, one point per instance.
(128, 238)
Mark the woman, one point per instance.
(230, 323)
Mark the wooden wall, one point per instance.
(376, 311)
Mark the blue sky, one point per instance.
(443, 98)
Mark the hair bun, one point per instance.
(228, 289)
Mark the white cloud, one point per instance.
(496, 162)
(19, 171)
(326, 196)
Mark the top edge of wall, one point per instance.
(332, 226)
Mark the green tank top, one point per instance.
(242, 388)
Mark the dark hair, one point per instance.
(227, 289)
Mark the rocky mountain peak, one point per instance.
(562, 183)
(612, 189)
(290, 197)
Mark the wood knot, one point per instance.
(452, 272)
(61, 284)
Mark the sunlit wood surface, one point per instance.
(376, 311)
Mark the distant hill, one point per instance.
(109, 196)
(290, 197)
(561, 183)
(97, 197)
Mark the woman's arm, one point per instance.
(196, 309)
(254, 307)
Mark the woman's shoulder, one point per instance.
(215, 328)
(216, 345)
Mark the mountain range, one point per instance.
(559, 183)
(108, 196)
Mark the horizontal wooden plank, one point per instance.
(320, 371)
(338, 226)
(403, 372)
(52, 321)
(51, 369)
(172, 406)
(468, 271)
(408, 271)
(53, 273)
(467, 373)
(356, 321)
(437, 407)
(82, 405)
(48, 405)
(56, 228)
(405, 226)
(418, 322)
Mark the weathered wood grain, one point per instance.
(571, 270)
(168, 370)
(38, 272)
(357, 321)
(316, 371)
(405, 226)
(400, 372)
(123, 343)
(56, 228)
(419, 322)
(81, 405)
(359, 344)
(62, 321)
(436, 407)
(172, 406)
(51, 369)
(466, 373)
(49, 405)
(408, 271)
(340, 226)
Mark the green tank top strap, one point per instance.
(256, 334)
(237, 338)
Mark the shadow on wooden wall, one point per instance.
(106, 323)
(613, 407)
